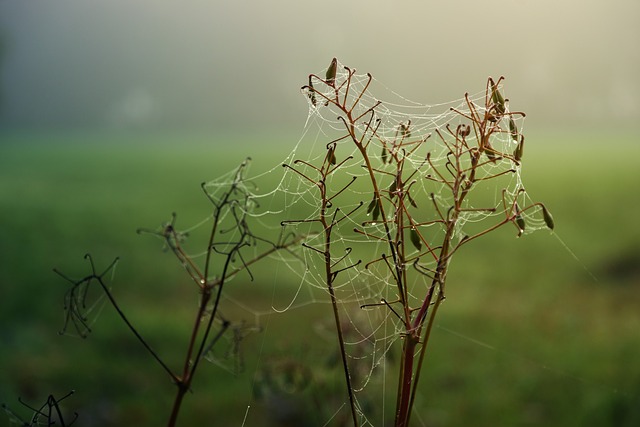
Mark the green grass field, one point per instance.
(533, 332)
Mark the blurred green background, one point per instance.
(527, 335)
(112, 114)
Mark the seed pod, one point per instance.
(548, 219)
(519, 220)
(513, 129)
(392, 188)
(497, 98)
(312, 92)
(413, 202)
(331, 72)
(374, 208)
(371, 205)
(517, 153)
(376, 211)
(464, 130)
(331, 155)
(404, 130)
(520, 223)
(415, 238)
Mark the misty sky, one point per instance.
(240, 64)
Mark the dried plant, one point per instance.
(229, 238)
(419, 186)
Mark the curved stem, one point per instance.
(136, 333)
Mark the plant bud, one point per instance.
(404, 130)
(520, 222)
(548, 219)
(513, 129)
(415, 238)
(312, 92)
(371, 205)
(331, 155)
(464, 130)
(517, 153)
(392, 188)
(497, 98)
(383, 156)
(374, 208)
(376, 211)
(413, 202)
(331, 72)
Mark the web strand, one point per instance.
(434, 138)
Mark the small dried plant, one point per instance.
(231, 248)
(414, 207)
(48, 414)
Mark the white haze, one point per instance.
(240, 64)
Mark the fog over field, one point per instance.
(228, 65)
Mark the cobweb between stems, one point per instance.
(423, 135)
(388, 124)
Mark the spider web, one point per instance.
(363, 289)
